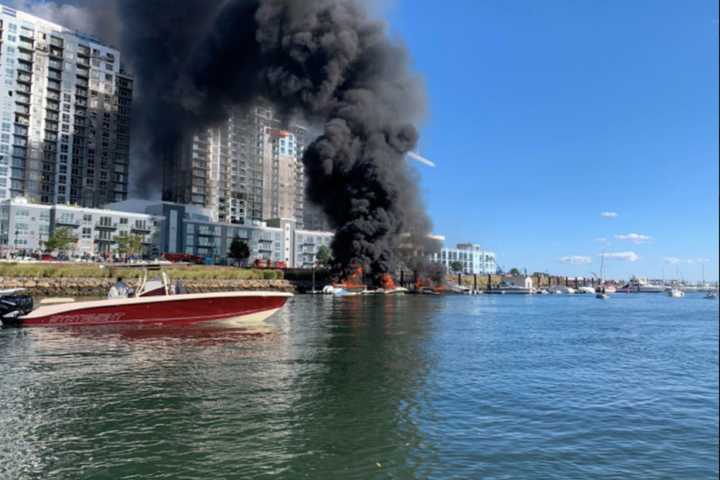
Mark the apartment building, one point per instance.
(249, 168)
(26, 226)
(65, 105)
(474, 259)
(191, 229)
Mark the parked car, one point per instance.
(260, 263)
(183, 257)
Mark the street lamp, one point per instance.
(313, 272)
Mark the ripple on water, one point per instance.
(413, 387)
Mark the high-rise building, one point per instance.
(248, 168)
(65, 108)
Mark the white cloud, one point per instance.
(609, 214)
(634, 237)
(672, 260)
(576, 260)
(623, 256)
(601, 240)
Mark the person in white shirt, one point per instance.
(119, 290)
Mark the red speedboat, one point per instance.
(149, 305)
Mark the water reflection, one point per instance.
(369, 378)
(373, 387)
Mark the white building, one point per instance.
(164, 227)
(472, 257)
(190, 229)
(26, 227)
(64, 114)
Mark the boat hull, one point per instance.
(227, 307)
(640, 290)
(510, 291)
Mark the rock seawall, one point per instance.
(99, 287)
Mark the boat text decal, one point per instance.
(87, 318)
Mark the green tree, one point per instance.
(323, 257)
(514, 272)
(456, 267)
(130, 244)
(239, 250)
(61, 240)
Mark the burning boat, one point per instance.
(389, 287)
(354, 285)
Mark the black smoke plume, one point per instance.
(326, 60)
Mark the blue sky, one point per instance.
(543, 115)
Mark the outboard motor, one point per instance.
(14, 306)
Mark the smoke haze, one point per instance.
(325, 60)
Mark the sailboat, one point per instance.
(675, 290)
(710, 294)
(601, 291)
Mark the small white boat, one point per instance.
(711, 295)
(393, 291)
(459, 289)
(602, 296)
(676, 293)
(341, 292)
(585, 290)
(639, 285)
(606, 289)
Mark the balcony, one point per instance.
(102, 226)
(72, 223)
(25, 45)
(139, 229)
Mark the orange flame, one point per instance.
(423, 282)
(387, 282)
(354, 280)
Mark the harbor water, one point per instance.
(429, 387)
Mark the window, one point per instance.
(86, 232)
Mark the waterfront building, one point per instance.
(165, 227)
(473, 258)
(191, 229)
(246, 169)
(65, 105)
(26, 227)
